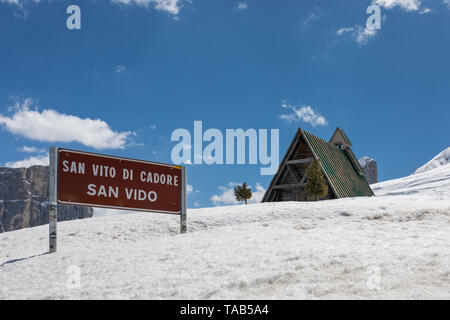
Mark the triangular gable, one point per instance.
(283, 169)
(340, 138)
(342, 175)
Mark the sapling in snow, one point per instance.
(315, 185)
(242, 193)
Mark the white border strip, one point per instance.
(113, 207)
(120, 158)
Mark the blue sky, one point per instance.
(134, 73)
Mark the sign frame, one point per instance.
(54, 199)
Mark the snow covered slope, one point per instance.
(433, 183)
(395, 245)
(441, 159)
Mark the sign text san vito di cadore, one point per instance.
(121, 183)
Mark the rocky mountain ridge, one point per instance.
(24, 199)
(370, 169)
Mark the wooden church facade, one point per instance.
(343, 173)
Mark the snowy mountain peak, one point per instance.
(370, 169)
(364, 160)
(440, 160)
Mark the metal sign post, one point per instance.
(53, 196)
(183, 213)
(96, 180)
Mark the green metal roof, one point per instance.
(343, 172)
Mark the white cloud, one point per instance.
(363, 34)
(359, 33)
(190, 189)
(425, 10)
(259, 193)
(408, 5)
(20, 7)
(15, 2)
(312, 17)
(120, 69)
(342, 31)
(303, 113)
(240, 5)
(28, 149)
(51, 126)
(227, 195)
(170, 6)
(40, 160)
(446, 2)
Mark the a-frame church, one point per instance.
(343, 173)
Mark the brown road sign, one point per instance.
(113, 182)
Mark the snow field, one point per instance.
(393, 246)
